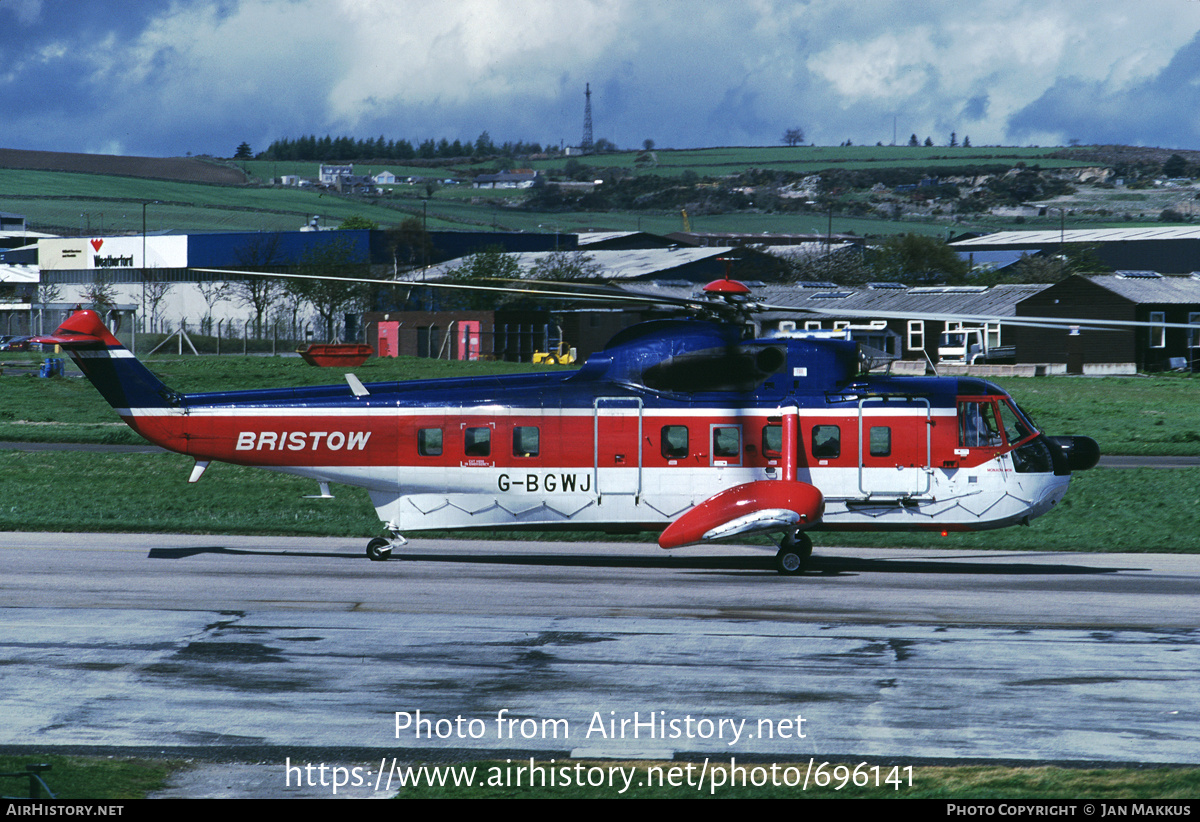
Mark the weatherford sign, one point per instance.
(112, 252)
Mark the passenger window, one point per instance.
(674, 442)
(526, 440)
(826, 441)
(727, 442)
(429, 442)
(477, 442)
(881, 441)
(772, 440)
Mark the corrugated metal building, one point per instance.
(1142, 296)
(1169, 249)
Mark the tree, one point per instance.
(492, 263)
(483, 268)
(257, 293)
(928, 141)
(648, 145)
(966, 141)
(154, 291)
(243, 152)
(840, 265)
(913, 141)
(333, 294)
(567, 265)
(356, 221)
(101, 292)
(1175, 166)
(410, 244)
(953, 139)
(213, 292)
(793, 136)
(916, 258)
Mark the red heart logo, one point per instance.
(97, 243)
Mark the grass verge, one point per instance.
(95, 778)
(1107, 510)
(680, 780)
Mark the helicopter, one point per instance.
(687, 427)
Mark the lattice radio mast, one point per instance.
(586, 144)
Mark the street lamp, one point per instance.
(144, 204)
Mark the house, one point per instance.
(1141, 296)
(522, 178)
(331, 175)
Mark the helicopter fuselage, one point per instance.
(669, 415)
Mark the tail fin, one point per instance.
(123, 381)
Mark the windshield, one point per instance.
(992, 422)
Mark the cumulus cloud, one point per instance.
(169, 76)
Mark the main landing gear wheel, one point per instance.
(379, 549)
(794, 551)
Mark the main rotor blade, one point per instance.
(534, 287)
(1092, 324)
(584, 291)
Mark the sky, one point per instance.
(176, 77)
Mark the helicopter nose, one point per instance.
(1082, 452)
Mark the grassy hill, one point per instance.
(91, 194)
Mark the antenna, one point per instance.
(586, 144)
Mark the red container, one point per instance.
(335, 354)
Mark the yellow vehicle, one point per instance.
(562, 356)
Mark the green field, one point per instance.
(720, 162)
(93, 204)
(1106, 510)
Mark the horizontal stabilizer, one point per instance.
(763, 505)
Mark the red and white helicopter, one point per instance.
(686, 427)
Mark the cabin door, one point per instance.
(617, 437)
(895, 446)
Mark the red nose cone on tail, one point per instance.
(81, 328)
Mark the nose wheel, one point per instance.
(380, 548)
(794, 551)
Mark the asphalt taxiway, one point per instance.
(593, 649)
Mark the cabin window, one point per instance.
(526, 441)
(1158, 329)
(826, 442)
(429, 442)
(726, 443)
(881, 441)
(477, 442)
(916, 335)
(1194, 331)
(772, 440)
(674, 442)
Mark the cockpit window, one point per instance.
(1015, 428)
(977, 425)
(991, 423)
